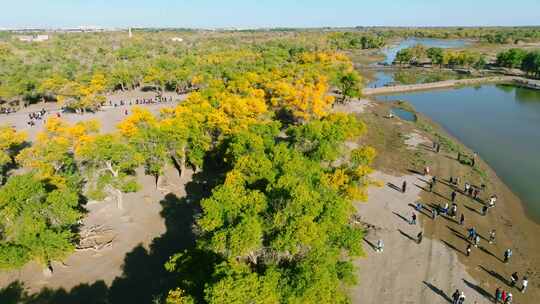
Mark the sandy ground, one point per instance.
(413, 272)
(353, 106)
(138, 223)
(405, 272)
(414, 140)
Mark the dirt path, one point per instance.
(108, 117)
(528, 83)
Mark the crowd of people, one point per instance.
(7, 111)
(141, 101)
(33, 117)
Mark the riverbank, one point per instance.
(518, 81)
(426, 273)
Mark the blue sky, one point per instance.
(267, 13)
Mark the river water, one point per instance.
(391, 51)
(501, 123)
(383, 78)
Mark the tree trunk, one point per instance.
(180, 165)
(120, 199)
(110, 168)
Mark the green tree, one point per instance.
(350, 85)
(10, 143)
(531, 64)
(512, 58)
(108, 160)
(436, 55)
(404, 56)
(36, 221)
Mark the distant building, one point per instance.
(32, 38)
(177, 39)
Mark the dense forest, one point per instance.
(275, 226)
(77, 69)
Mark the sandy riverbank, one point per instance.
(405, 272)
(408, 273)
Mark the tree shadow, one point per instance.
(145, 278)
(438, 291)
(96, 293)
(495, 275)
(479, 289)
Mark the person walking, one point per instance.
(492, 201)
(507, 255)
(484, 210)
(470, 235)
(453, 196)
(476, 240)
(455, 296)
(524, 284)
(466, 188)
(492, 236)
(509, 298)
(462, 219)
(431, 187)
(514, 278)
(426, 170)
(418, 206)
(404, 187)
(380, 245)
(419, 237)
(469, 249)
(461, 299)
(434, 213)
(498, 295)
(413, 219)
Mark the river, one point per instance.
(501, 123)
(391, 51)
